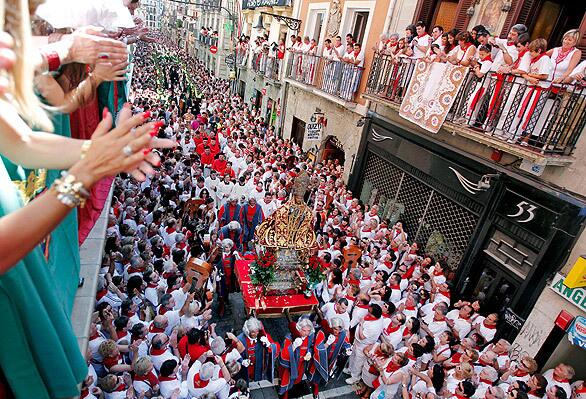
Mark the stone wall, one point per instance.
(341, 122)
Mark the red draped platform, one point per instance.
(270, 305)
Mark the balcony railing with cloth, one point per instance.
(338, 78)
(266, 65)
(207, 40)
(545, 118)
(241, 57)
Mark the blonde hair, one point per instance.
(574, 33)
(142, 365)
(15, 16)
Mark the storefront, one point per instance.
(502, 234)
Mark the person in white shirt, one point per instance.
(268, 205)
(421, 42)
(337, 309)
(163, 348)
(560, 376)
(173, 376)
(208, 378)
(368, 331)
(211, 183)
(436, 35)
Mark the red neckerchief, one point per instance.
(198, 383)
(94, 336)
(121, 333)
(155, 330)
(361, 306)
(390, 329)
(410, 307)
(120, 388)
(392, 367)
(581, 390)
(152, 285)
(169, 230)
(534, 60)
(169, 378)
(406, 332)
(158, 352)
(442, 319)
(132, 270)
(562, 380)
(369, 317)
(461, 396)
(350, 298)
(101, 294)
(395, 287)
(491, 327)
(437, 273)
(487, 58)
(420, 36)
(486, 381)
(411, 357)
(518, 60)
(84, 392)
(483, 363)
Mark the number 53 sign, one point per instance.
(525, 212)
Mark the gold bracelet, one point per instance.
(69, 191)
(85, 148)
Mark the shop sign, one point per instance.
(577, 332)
(313, 131)
(252, 4)
(577, 276)
(576, 296)
(512, 319)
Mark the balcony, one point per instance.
(207, 40)
(266, 65)
(337, 78)
(241, 57)
(541, 124)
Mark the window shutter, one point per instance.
(462, 19)
(521, 13)
(424, 12)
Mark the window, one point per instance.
(315, 27)
(359, 25)
(319, 22)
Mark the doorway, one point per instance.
(493, 286)
(555, 17)
(298, 131)
(333, 150)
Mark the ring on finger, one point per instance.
(127, 150)
(103, 56)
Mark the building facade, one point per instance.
(507, 218)
(151, 12)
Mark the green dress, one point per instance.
(39, 353)
(61, 248)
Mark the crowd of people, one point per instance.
(388, 320)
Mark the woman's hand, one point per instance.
(106, 156)
(110, 71)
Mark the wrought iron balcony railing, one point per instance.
(266, 65)
(338, 78)
(546, 118)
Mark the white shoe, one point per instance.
(346, 371)
(351, 380)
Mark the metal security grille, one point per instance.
(441, 226)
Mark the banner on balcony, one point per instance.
(431, 93)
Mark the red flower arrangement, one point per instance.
(314, 270)
(262, 271)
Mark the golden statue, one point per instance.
(291, 225)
